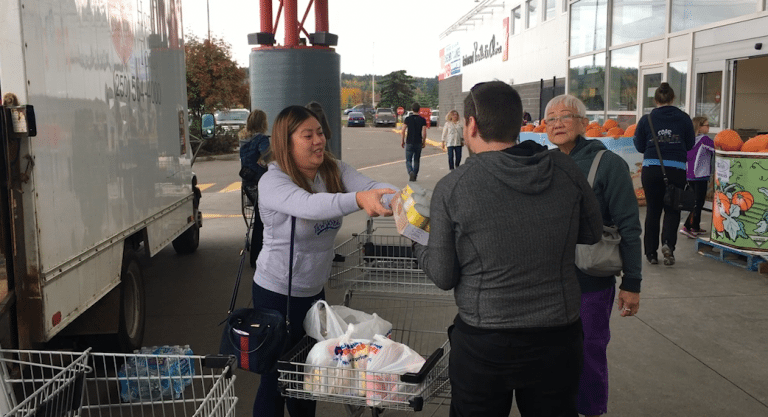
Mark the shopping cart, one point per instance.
(54, 384)
(382, 276)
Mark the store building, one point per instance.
(614, 53)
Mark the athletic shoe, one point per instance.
(669, 258)
(688, 232)
(699, 232)
(412, 176)
(652, 259)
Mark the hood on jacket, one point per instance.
(667, 114)
(586, 149)
(525, 167)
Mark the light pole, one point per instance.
(373, 76)
(208, 14)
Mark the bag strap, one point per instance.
(290, 279)
(593, 168)
(658, 150)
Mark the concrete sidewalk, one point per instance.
(697, 347)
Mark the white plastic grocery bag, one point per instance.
(336, 366)
(324, 321)
(387, 360)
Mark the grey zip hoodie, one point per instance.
(318, 219)
(504, 228)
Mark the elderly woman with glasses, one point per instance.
(613, 188)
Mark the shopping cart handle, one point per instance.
(415, 378)
(220, 362)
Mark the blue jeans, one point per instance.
(412, 152)
(454, 150)
(268, 401)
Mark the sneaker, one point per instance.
(669, 258)
(412, 176)
(652, 259)
(699, 232)
(688, 232)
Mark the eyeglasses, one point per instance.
(566, 118)
(472, 94)
(706, 125)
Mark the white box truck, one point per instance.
(96, 166)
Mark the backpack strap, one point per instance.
(593, 168)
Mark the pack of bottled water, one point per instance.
(155, 373)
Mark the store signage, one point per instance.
(450, 61)
(483, 51)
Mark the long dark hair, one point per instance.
(286, 123)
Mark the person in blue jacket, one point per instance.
(674, 130)
(254, 143)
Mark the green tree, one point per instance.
(396, 90)
(213, 79)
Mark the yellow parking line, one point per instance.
(204, 187)
(430, 142)
(220, 216)
(235, 186)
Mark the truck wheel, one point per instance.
(130, 332)
(188, 241)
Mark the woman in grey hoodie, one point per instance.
(306, 182)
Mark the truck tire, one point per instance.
(188, 241)
(130, 332)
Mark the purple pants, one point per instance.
(596, 310)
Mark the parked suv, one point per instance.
(384, 117)
(233, 119)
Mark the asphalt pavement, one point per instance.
(697, 347)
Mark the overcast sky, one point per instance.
(404, 34)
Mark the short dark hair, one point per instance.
(415, 107)
(664, 94)
(500, 112)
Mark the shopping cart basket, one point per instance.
(198, 386)
(417, 322)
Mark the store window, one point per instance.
(549, 9)
(634, 20)
(586, 80)
(677, 77)
(688, 14)
(709, 86)
(622, 87)
(517, 21)
(588, 26)
(651, 81)
(532, 10)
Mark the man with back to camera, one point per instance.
(518, 330)
(415, 127)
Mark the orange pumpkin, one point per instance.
(756, 144)
(615, 131)
(743, 199)
(721, 200)
(540, 129)
(630, 132)
(594, 133)
(594, 125)
(609, 124)
(728, 140)
(527, 128)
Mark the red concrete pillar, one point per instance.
(321, 15)
(265, 6)
(291, 23)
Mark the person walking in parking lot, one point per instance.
(453, 138)
(414, 139)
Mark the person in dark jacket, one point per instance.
(566, 124)
(517, 332)
(674, 130)
(254, 143)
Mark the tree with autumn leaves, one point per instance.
(213, 79)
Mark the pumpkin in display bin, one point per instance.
(609, 124)
(630, 132)
(757, 144)
(728, 140)
(540, 129)
(594, 125)
(594, 133)
(615, 132)
(527, 128)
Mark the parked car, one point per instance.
(233, 119)
(362, 108)
(433, 118)
(384, 117)
(356, 119)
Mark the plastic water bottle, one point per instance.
(155, 373)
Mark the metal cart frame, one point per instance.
(63, 384)
(381, 275)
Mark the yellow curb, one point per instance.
(429, 141)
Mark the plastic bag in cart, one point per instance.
(337, 366)
(324, 322)
(387, 360)
(147, 378)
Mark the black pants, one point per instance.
(700, 190)
(653, 185)
(542, 369)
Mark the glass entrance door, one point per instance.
(710, 94)
(651, 80)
